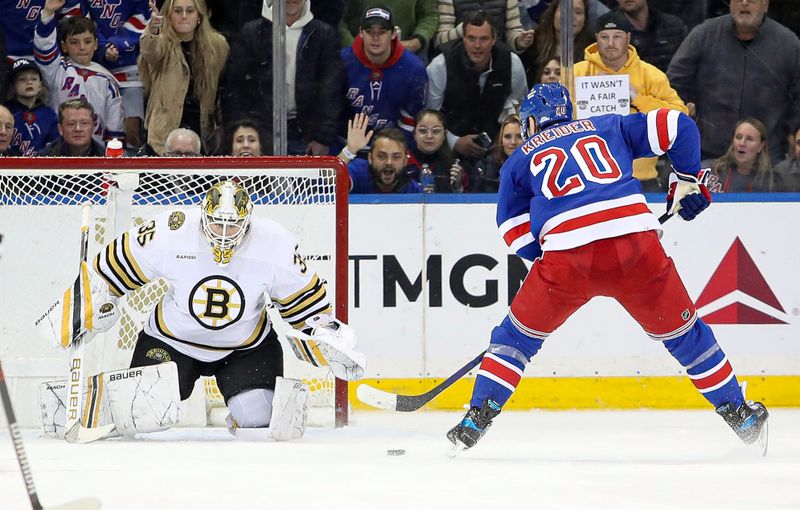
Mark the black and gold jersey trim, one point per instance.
(260, 332)
(307, 302)
(118, 267)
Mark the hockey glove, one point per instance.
(688, 195)
(332, 343)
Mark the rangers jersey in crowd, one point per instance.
(120, 24)
(18, 19)
(34, 128)
(67, 80)
(564, 187)
(210, 310)
(391, 94)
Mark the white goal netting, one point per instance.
(40, 212)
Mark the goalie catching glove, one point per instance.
(688, 195)
(329, 342)
(86, 308)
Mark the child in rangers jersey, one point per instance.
(35, 123)
(569, 203)
(119, 27)
(75, 75)
(222, 267)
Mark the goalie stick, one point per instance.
(406, 403)
(22, 458)
(75, 432)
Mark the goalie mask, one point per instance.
(226, 219)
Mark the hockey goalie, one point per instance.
(223, 267)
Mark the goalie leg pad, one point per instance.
(143, 399)
(53, 406)
(289, 409)
(285, 410)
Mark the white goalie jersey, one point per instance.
(209, 310)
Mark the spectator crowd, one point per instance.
(414, 95)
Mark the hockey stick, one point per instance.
(22, 458)
(407, 403)
(75, 432)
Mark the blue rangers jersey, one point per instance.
(18, 19)
(119, 23)
(392, 93)
(34, 128)
(573, 183)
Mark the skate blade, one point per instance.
(763, 439)
(456, 449)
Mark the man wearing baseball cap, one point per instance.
(36, 124)
(415, 21)
(384, 80)
(613, 54)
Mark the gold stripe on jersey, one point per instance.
(288, 301)
(112, 285)
(261, 328)
(259, 333)
(161, 325)
(307, 302)
(126, 252)
(120, 268)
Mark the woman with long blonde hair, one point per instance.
(180, 66)
(746, 166)
(486, 178)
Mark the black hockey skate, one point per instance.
(749, 421)
(473, 426)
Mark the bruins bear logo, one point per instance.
(176, 219)
(158, 354)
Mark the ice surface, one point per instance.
(532, 460)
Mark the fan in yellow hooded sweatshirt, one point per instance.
(613, 54)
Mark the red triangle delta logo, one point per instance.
(738, 292)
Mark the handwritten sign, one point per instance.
(598, 95)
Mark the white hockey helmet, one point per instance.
(226, 218)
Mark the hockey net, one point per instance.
(40, 209)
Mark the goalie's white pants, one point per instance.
(252, 408)
(284, 410)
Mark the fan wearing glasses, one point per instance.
(430, 148)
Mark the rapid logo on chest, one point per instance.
(216, 302)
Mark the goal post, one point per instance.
(40, 202)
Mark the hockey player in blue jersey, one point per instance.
(569, 203)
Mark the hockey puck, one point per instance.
(395, 453)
